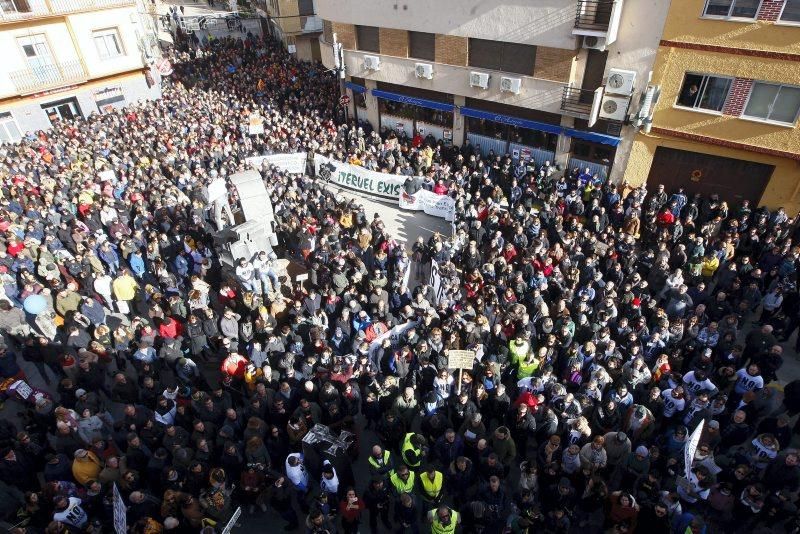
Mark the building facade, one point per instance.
(69, 58)
(295, 23)
(553, 80)
(726, 121)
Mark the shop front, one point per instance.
(359, 99)
(593, 151)
(409, 114)
(523, 139)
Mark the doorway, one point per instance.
(733, 180)
(67, 109)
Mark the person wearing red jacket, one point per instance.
(351, 509)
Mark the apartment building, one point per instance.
(726, 120)
(295, 23)
(68, 58)
(542, 80)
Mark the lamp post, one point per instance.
(338, 62)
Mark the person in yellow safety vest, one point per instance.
(518, 349)
(431, 484)
(412, 451)
(403, 480)
(528, 365)
(381, 463)
(444, 520)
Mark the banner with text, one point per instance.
(291, 163)
(372, 183)
(429, 202)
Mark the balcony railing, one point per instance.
(44, 77)
(594, 15)
(13, 10)
(576, 102)
(311, 24)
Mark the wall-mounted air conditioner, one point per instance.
(424, 70)
(372, 63)
(510, 85)
(479, 79)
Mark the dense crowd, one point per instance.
(607, 325)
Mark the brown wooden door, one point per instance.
(733, 180)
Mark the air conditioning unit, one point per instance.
(479, 79)
(620, 82)
(510, 85)
(594, 43)
(424, 70)
(614, 107)
(372, 63)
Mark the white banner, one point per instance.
(372, 183)
(691, 447)
(120, 512)
(437, 205)
(217, 189)
(394, 334)
(292, 163)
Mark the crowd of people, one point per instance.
(607, 325)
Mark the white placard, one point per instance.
(217, 189)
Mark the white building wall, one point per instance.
(125, 21)
(539, 22)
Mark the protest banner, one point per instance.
(294, 163)
(691, 447)
(394, 334)
(442, 206)
(355, 178)
(120, 512)
(435, 281)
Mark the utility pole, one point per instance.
(338, 62)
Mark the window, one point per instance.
(791, 11)
(367, 39)
(108, 43)
(306, 7)
(745, 9)
(422, 45)
(15, 6)
(497, 55)
(704, 92)
(9, 131)
(779, 103)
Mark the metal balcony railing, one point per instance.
(44, 77)
(594, 15)
(13, 10)
(576, 101)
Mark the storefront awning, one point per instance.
(355, 87)
(591, 136)
(403, 99)
(514, 121)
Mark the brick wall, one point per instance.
(452, 50)
(553, 63)
(393, 42)
(740, 90)
(770, 10)
(345, 33)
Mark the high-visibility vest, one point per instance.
(403, 486)
(438, 528)
(407, 446)
(518, 353)
(432, 488)
(526, 368)
(374, 463)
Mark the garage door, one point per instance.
(732, 179)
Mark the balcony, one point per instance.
(311, 24)
(576, 102)
(594, 15)
(45, 77)
(14, 10)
